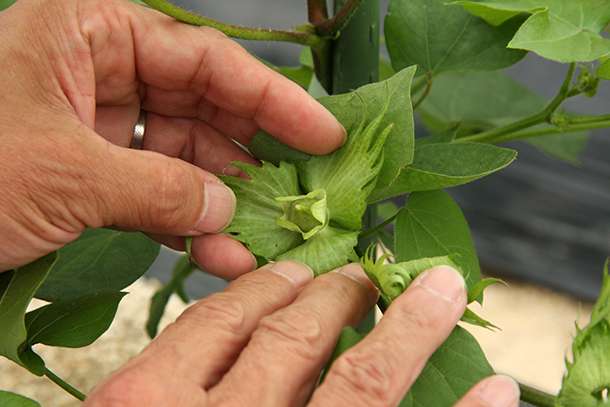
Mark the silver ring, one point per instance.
(138, 132)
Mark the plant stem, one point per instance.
(334, 25)
(551, 130)
(419, 84)
(58, 381)
(377, 228)
(425, 94)
(316, 11)
(297, 37)
(536, 397)
(492, 135)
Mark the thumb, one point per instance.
(153, 193)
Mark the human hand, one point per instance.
(265, 340)
(75, 75)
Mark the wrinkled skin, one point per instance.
(75, 75)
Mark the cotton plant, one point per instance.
(311, 209)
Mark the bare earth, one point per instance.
(537, 329)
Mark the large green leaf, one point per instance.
(8, 399)
(456, 366)
(17, 296)
(486, 100)
(561, 30)
(100, 260)
(4, 4)
(72, 323)
(433, 225)
(443, 165)
(442, 39)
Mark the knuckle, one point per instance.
(172, 195)
(218, 310)
(128, 388)
(297, 330)
(367, 373)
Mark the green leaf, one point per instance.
(182, 270)
(17, 296)
(254, 222)
(561, 30)
(456, 366)
(8, 399)
(100, 260)
(4, 4)
(72, 323)
(476, 291)
(442, 39)
(326, 250)
(446, 136)
(488, 100)
(398, 148)
(433, 225)
(603, 70)
(437, 166)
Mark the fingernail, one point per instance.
(500, 391)
(233, 171)
(443, 281)
(344, 135)
(294, 271)
(254, 262)
(218, 208)
(355, 272)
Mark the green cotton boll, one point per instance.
(305, 214)
(393, 279)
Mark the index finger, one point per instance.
(176, 56)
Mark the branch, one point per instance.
(245, 33)
(551, 130)
(330, 28)
(492, 135)
(316, 11)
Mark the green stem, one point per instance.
(334, 25)
(377, 228)
(551, 130)
(589, 119)
(58, 381)
(536, 397)
(419, 84)
(492, 135)
(297, 37)
(424, 95)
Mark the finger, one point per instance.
(105, 185)
(381, 368)
(290, 347)
(196, 350)
(217, 69)
(493, 391)
(222, 256)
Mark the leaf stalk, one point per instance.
(536, 397)
(298, 37)
(61, 383)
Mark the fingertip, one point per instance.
(498, 391)
(222, 256)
